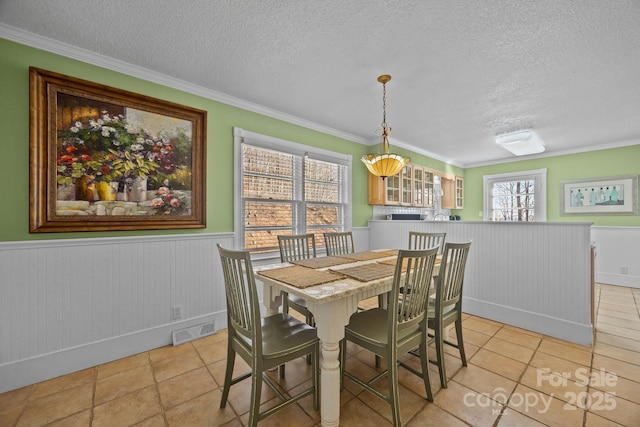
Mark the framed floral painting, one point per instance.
(103, 158)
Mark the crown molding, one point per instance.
(425, 152)
(63, 49)
(607, 146)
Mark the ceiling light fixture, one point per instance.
(386, 164)
(521, 143)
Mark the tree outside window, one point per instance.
(519, 196)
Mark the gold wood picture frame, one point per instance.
(105, 159)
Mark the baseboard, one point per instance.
(558, 328)
(44, 367)
(618, 279)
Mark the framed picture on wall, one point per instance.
(103, 158)
(616, 195)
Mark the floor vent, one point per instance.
(194, 332)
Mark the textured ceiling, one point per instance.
(463, 70)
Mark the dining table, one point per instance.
(332, 286)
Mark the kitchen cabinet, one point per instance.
(428, 189)
(392, 190)
(452, 192)
(406, 178)
(423, 194)
(459, 192)
(418, 186)
(376, 190)
(412, 186)
(384, 191)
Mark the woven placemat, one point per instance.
(367, 255)
(393, 262)
(367, 272)
(300, 277)
(404, 267)
(321, 262)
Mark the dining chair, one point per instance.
(295, 248)
(339, 243)
(446, 307)
(263, 343)
(420, 240)
(394, 331)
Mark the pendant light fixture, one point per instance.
(385, 164)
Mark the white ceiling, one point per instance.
(463, 70)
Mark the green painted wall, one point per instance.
(593, 164)
(15, 60)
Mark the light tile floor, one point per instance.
(514, 378)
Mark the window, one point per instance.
(287, 188)
(520, 196)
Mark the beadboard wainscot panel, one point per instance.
(66, 305)
(617, 255)
(536, 276)
(360, 238)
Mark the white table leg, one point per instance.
(331, 318)
(329, 383)
(272, 299)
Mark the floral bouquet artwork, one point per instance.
(169, 202)
(107, 159)
(110, 159)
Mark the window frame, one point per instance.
(301, 152)
(539, 176)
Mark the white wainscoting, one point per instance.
(361, 238)
(532, 275)
(617, 251)
(66, 305)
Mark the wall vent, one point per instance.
(194, 332)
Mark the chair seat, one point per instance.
(370, 326)
(283, 334)
(431, 309)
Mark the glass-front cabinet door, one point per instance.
(393, 189)
(406, 177)
(459, 192)
(413, 186)
(418, 186)
(428, 189)
(452, 192)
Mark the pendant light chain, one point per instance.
(384, 106)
